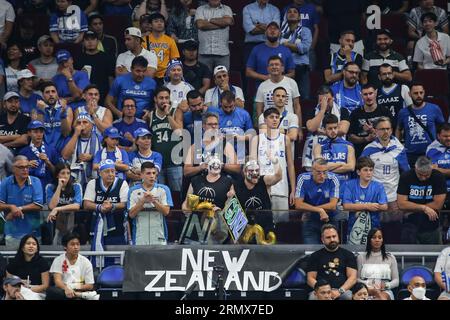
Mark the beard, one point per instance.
(387, 82)
(272, 39)
(12, 112)
(332, 245)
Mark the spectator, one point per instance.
(33, 7)
(335, 71)
(258, 63)
(87, 6)
(13, 133)
(143, 153)
(112, 152)
(347, 92)
(67, 26)
(101, 116)
(128, 124)
(415, 23)
(73, 273)
(29, 265)
(363, 119)
(21, 197)
(360, 291)
(181, 23)
(417, 123)
(317, 193)
(438, 152)
(145, 25)
(179, 88)
(150, 7)
(27, 37)
(2, 79)
(12, 286)
(264, 95)
(432, 51)
(44, 67)
(55, 115)
(160, 44)
(106, 43)
(418, 289)
(255, 18)
(167, 121)
(80, 148)
(322, 290)
(6, 158)
(222, 81)
(364, 198)
(195, 73)
(64, 198)
(13, 65)
(6, 22)
(377, 268)
(389, 156)
(390, 94)
(27, 98)
(222, 189)
(421, 194)
(135, 85)
(316, 132)
(273, 145)
(333, 264)
(69, 82)
(213, 22)
(149, 226)
(384, 54)
(298, 40)
(441, 273)
(98, 65)
(133, 41)
(339, 153)
(42, 157)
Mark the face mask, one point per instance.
(252, 170)
(214, 165)
(419, 293)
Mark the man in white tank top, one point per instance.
(271, 142)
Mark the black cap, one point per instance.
(384, 31)
(94, 15)
(90, 34)
(190, 45)
(155, 16)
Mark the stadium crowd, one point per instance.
(116, 111)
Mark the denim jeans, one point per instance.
(172, 177)
(311, 228)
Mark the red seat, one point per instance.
(315, 81)
(435, 81)
(73, 48)
(41, 22)
(115, 26)
(236, 79)
(396, 23)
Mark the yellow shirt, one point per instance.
(165, 50)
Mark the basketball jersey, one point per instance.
(336, 150)
(392, 100)
(214, 192)
(162, 137)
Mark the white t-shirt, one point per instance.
(443, 265)
(91, 193)
(409, 298)
(265, 92)
(178, 92)
(422, 51)
(125, 59)
(212, 95)
(6, 14)
(73, 275)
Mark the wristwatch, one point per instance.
(70, 79)
(341, 291)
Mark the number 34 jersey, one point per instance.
(388, 163)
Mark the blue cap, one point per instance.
(35, 124)
(107, 164)
(62, 56)
(111, 132)
(173, 63)
(141, 132)
(86, 116)
(12, 280)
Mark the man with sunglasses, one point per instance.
(21, 198)
(222, 81)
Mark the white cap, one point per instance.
(219, 69)
(9, 95)
(24, 74)
(132, 31)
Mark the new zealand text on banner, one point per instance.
(177, 267)
(234, 217)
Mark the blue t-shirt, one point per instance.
(373, 193)
(137, 159)
(31, 192)
(28, 104)
(336, 150)
(80, 78)
(349, 98)
(52, 122)
(416, 138)
(440, 155)
(77, 197)
(259, 56)
(42, 171)
(191, 120)
(124, 86)
(317, 194)
(112, 155)
(124, 127)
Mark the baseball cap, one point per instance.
(24, 74)
(155, 16)
(141, 132)
(85, 116)
(384, 31)
(94, 15)
(219, 69)
(107, 164)
(111, 132)
(44, 38)
(9, 95)
(132, 31)
(273, 23)
(35, 124)
(90, 34)
(63, 56)
(190, 45)
(12, 280)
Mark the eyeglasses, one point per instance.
(22, 167)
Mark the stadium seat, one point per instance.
(435, 81)
(109, 283)
(235, 78)
(315, 81)
(293, 287)
(296, 279)
(396, 23)
(115, 26)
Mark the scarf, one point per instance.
(41, 169)
(340, 96)
(82, 171)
